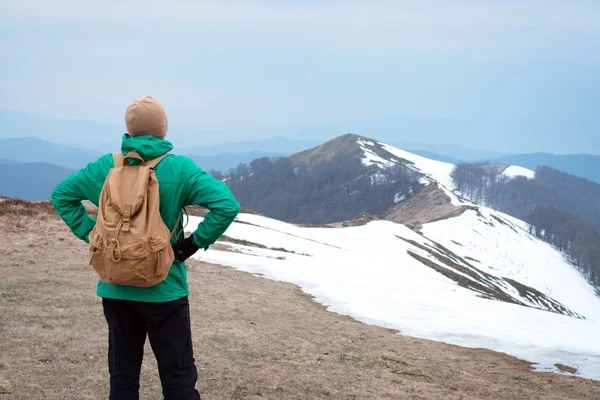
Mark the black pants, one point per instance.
(168, 328)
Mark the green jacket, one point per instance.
(181, 183)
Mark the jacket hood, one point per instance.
(149, 147)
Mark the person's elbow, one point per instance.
(227, 209)
(233, 208)
(57, 196)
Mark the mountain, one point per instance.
(33, 150)
(324, 184)
(30, 181)
(336, 180)
(429, 263)
(583, 165)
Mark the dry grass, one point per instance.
(566, 368)
(430, 204)
(254, 339)
(242, 242)
(199, 211)
(248, 243)
(20, 208)
(360, 220)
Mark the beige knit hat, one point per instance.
(146, 116)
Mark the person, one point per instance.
(160, 312)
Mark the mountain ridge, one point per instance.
(32, 150)
(336, 180)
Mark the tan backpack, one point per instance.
(130, 244)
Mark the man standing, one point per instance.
(160, 312)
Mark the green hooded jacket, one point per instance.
(181, 183)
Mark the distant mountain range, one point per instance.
(33, 150)
(78, 133)
(31, 181)
(20, 142)
(74, 143)
(30, 150)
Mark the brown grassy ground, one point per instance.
(429, 205)
(254, 338)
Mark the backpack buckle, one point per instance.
(126, 219)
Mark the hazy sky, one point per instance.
(499, 74)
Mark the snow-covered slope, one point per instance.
(386, 274)
(501, 245)
(474, 277)
(383, 156)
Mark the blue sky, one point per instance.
(512, 76)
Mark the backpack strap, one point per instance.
(118, 159)
(177, 223)
(154, 162)
(133, 155)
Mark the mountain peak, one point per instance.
(347, 146)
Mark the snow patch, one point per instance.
(370, 158)
(378, 179)
(514, 170)
(434, 170)
(398, 198)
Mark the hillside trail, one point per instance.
(254, 338)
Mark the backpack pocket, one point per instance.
(97, 260)
(142, 264)
(164, 256)
(130, 266)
